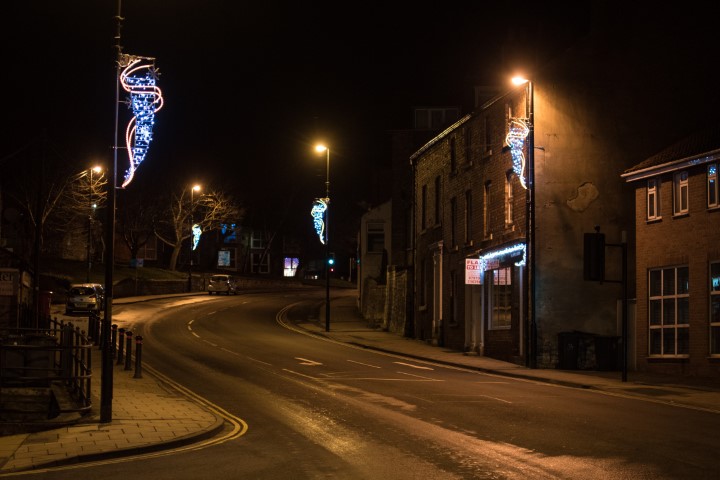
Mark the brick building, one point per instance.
(590, 109)
(677, 221)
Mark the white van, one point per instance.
(222, 284)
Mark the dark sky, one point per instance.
(250, 86)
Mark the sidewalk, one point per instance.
(148, 414)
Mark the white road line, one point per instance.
(259, 361)
(305, 361)
(364, 364)
(418, 376)
(413, 366)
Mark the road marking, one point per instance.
(364, 364)
(258, 361)
(305, 361)
(413, 366)
(418, 376)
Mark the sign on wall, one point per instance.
(472, 271)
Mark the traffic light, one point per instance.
(331, 262)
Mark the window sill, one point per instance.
(653, 220)
(681, 215)
(667, 358)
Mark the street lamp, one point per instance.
(195, 188)
(530, 218)
(91, 214)
(323, 148)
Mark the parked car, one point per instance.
(85, 297)
(222, 284)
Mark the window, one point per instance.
(453, 222)
(468, 216)
(453, 156)
(669, 311)
(423, 208)
(422, 290)
(290, 266)
(260, 263)
(500, 297)
(468, 147)
(508, 199)
(715, 308)
(375, 237)
(712, 186)
(486, 210)
(653, 199)
(437, 201)
(680, 193)
(453, 298)
(256, 240)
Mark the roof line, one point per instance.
(671, 166)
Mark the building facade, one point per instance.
(677, 209)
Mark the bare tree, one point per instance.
(39, 183)
(136, 215)
(208, 211)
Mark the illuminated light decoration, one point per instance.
(197, 233)
(319, 208)
(229, 231)
(517, 133)
(145, 99)
(505, 251)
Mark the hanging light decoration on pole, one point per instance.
(195, 232)
(322, 206)
(521, 136)
(137, 76)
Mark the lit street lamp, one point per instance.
(91, 214)
(195, 188)
(530, 220)
(323, 148)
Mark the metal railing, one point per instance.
(40, 358)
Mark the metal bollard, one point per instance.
(91, 326)
(113, 339)
(128, 348)
(138, 357)
(96, 331)
(121, 341)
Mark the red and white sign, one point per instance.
(472, 271)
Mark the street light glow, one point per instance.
(320, 147)
(519, 80)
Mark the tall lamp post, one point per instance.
(323, 148)
(530, 219)
(91, 214)
(195, 188)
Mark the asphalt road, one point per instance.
(320, 409)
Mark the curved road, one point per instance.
(315, 408)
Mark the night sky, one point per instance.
(249, 87)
